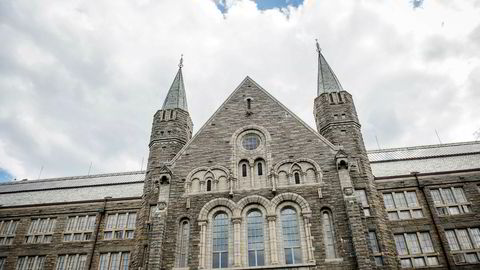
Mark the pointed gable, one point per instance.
(289, 134)
(327, 80)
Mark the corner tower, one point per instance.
(172, 125)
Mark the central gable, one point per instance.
(252, 112)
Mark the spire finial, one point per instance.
(180, 65)
(318, 46)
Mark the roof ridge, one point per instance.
(428, 146)
(17, 182)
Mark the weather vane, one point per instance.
(180, 65)
(318, 46)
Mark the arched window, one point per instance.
(183, 240)
(249, 103)
(291, 236)
(220, 241)
(256, 243)
(328, 235)
(209, 185)
(260, 168)
(296, 175)
(244, 170)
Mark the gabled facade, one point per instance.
(255, 188)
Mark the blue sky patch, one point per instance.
(5, 176)
(223, 5)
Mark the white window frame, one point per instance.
(398, 211)
(121, 262)
(377, 253)
(363, 203)
(460, 254)
(36, 235)
(125, 231)
(35, 263)
(411, 257)
(79, 262)
(8, 230)
(71, 233)
(446, 209)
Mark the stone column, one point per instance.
(237, 258)
(215, 184)
(272, 232)
(308, 237)
(252, 171)
(203, 244)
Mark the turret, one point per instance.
(172, 125)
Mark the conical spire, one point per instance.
(176, 97)
(327, 81)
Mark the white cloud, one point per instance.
(80, 83)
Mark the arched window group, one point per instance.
(256, 236)
(252, 175)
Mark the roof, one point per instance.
(79, 188)
(327, 80)
(176, 97)
(425, 159)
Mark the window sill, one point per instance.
(336, 260)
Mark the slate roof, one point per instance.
(425, 159)
(78, 188)
(176, 97)
(327, 80)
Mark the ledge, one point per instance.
(305, 266)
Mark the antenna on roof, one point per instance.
(141, 166)
(89, 168)
(40, 173)
(438, 137)
(376, 139)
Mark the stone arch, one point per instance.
(194, 171)
(254, 199)
(203, 215)
(249, 127)
(294, 198)
(221, 168)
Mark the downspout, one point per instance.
(101, 212)
(435, 224)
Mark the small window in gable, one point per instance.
(244, 170)
(209, 185)
(296, 176)
(259, 168)
(249, 103)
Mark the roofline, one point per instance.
(4, 207)
(180, 153)
(420, 147)
(377, 178)
(18, 182)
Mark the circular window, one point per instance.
(251, 141)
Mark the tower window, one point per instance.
(209, 185)
(259, 168)
(331, 98)
(340, 97)
(244, 170)
(249, 103)
(163, 115)
(171, 114)
(297, 178)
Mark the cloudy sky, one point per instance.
(81, 80)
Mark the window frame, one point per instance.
(444, 208)
(35, 235)
(376, 252)
(121, 260)
(84, 232)
(24, 260)
(183, 243)
(397, 213)
(460, 254)
(125, 231)
(299, 247)
(412, 255)
(227, 232)
(76, 262)
(263, 236)
(8, 231)
(363, 203)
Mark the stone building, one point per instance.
(255, 188)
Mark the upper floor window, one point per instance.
(291, 236)
(209, 185)
(415, 250)
(256, 245)
(30, 263)
(296, 177)
(328, 235)
(464, 244)
(114, 261)
(361, 195)
(244, 170)
(79, 228)
(183, 240)
(7, 231)
(450, 201)
(120, 226)
(259, 168)
(375, 248)
(40, 230)
(249, 103)
(402, 205)
(71, 262)
(220, 240)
